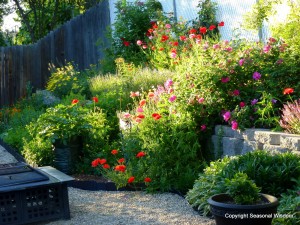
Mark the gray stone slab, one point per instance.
(275, 148)
(232, 146)
(267, 137)
(290, 141)
(6, 157)
(249, 146)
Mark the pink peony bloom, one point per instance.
(226, 116)
(256, 75)
(234, 125)
(216, 46)
(126, 115)
(168, 83)
(173, 55)
(266, 48)
(139, 42)
(203, 127)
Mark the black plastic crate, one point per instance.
(30, 205)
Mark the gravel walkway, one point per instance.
(124, 207)
(129, 208)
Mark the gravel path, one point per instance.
(129, 208)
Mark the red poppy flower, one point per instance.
(121, 160)
(114, 151)
(95, 99)
(120, 168)
(141, 116)
(150, 94)
(142, 102)
(147, 179)
(161, 49)
(95, 162)
(130, 180)
(102, 161)
(221, 24)
(175, 43)
(126, 43)
(75, 101)
(212, 27)
(182, 38)
(140, 154)
(193, 31)
(106, 166)
(288, 91)
(203, 30)
(156, 116)
(199, 36)
(164, 38)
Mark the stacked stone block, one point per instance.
(235, 142)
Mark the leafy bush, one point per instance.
(274, 174)
(166, 136)
(63, 122)
(65, 79)
(242, 190)
(290, 118)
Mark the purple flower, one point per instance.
(225, 79)
(226, 116)
(256, 75)
(172, 98)
(274, 101)
(241, 62)
(254, 101)
(203, 127)
(168, 83)
(234, 125)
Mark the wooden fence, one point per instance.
(75, 41)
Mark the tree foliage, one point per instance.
(39, 17)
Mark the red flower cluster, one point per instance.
(288, 91)
(140, 154)
(98, 161)
(156, 116)
(120, 168)
(114, 151)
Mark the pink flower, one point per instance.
(139, 42)
(241, 62)
(236, 92)
(216, 46)
(140, 110)
(144, 46)
(225, 79)
(203, 127)
(168, 83)
(201, 100)
(254, 101)
(256, 75)
(279, 61)
(226, 116)
(126, 115)
(242, 104)
(229, 49)
(234, 125)
(172, 98)
(168, 26)
(266, 48)
(173, 55)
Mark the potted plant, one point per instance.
(64, 125)
(242, 203)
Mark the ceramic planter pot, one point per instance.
(232, 214)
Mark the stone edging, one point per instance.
(234, 142)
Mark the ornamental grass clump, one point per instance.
(290, 118)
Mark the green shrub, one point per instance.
(242, 190)
(273, 173)
(67, 79)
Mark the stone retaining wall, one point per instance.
(231, 142)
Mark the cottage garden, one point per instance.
(147, 123)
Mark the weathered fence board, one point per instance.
(75, 42)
